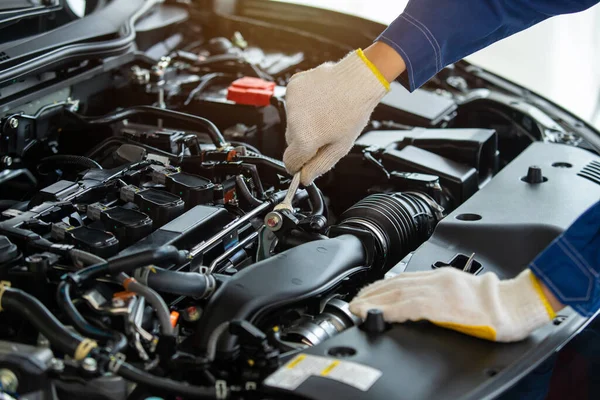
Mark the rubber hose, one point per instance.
(224, 58)
(85, 258)
(154, 299)
(80, 161)
(213, 340)
(219, 58)
(204, 83)
(63, 299)
(166, 385)
(181, 283)
(127, 263)
(119, 115)
(162, 255)
(251, 168)
(26, 237)
(33, 311)
(237, 143)
(315, 198)
(400, 222)
(257, 158)
(244, 192)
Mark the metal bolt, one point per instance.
(6, 161)
(273, 221)
(57, 365)
(8, 380)
(139, 75)
(89, 364)
(559, 319)
(13, 123)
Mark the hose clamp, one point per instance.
(115, 362)
(84, 349)
(141, 274)
(221, 389)
(373, 228)
(437, 209)
(211, 286)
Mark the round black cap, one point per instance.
(374, 323)
(534, 175)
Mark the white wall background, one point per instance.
(559, 58)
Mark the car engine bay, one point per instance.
(141, 239)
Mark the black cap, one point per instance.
(534, 175)
(374, 323)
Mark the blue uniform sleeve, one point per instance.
(431, 34)
(570, 266)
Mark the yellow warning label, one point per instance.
(329, 368)
(296, 361)
(305, 366)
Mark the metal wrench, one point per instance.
(286, 204)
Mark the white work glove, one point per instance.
(327, 108)
(481, 306)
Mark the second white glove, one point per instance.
(481, 306)
(328, 107)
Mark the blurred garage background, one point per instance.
(559, 58)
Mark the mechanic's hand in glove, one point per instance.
(328, 107)
(481, 306)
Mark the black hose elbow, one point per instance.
(244, 192)
(116, 265)
(165, 385)
(190, 284)
(162, 255)
(316, 201)
(32, 310)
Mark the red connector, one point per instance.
(251, 91)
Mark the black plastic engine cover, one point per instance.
(297, 274)
(476, 148)
(510, 221)
(506, 224)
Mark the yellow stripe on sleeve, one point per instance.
(373, 68)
